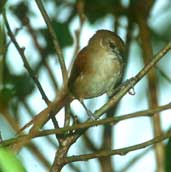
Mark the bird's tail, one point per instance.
(53, 108)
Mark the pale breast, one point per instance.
(104, 74)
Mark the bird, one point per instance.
(97, 69)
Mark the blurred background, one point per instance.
(145, 27)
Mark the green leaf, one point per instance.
(22, 10)
(168, 156)
(6, 95)
(23, 85)
(63, 35)
(2, 5)
(97, 9)
(9, 162)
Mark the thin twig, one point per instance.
(80, 10)
(122, 151)
(162, 73)
(43, 55)
(134, 160)
(26, 64)
(111, 120)
(54, 39)
(87, 125)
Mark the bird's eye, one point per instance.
(112, 45)
(114, 48)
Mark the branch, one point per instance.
(86, 125)
(41, 50)
(111, 120)
(26, 64)
(80, 9)
(121, 151)
(54, 39)
(134, 160)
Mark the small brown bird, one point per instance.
(97, 69)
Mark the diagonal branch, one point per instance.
(29, 69)
(54, 39)
(26, 64)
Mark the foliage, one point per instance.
(9, 162)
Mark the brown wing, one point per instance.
(78, 67)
